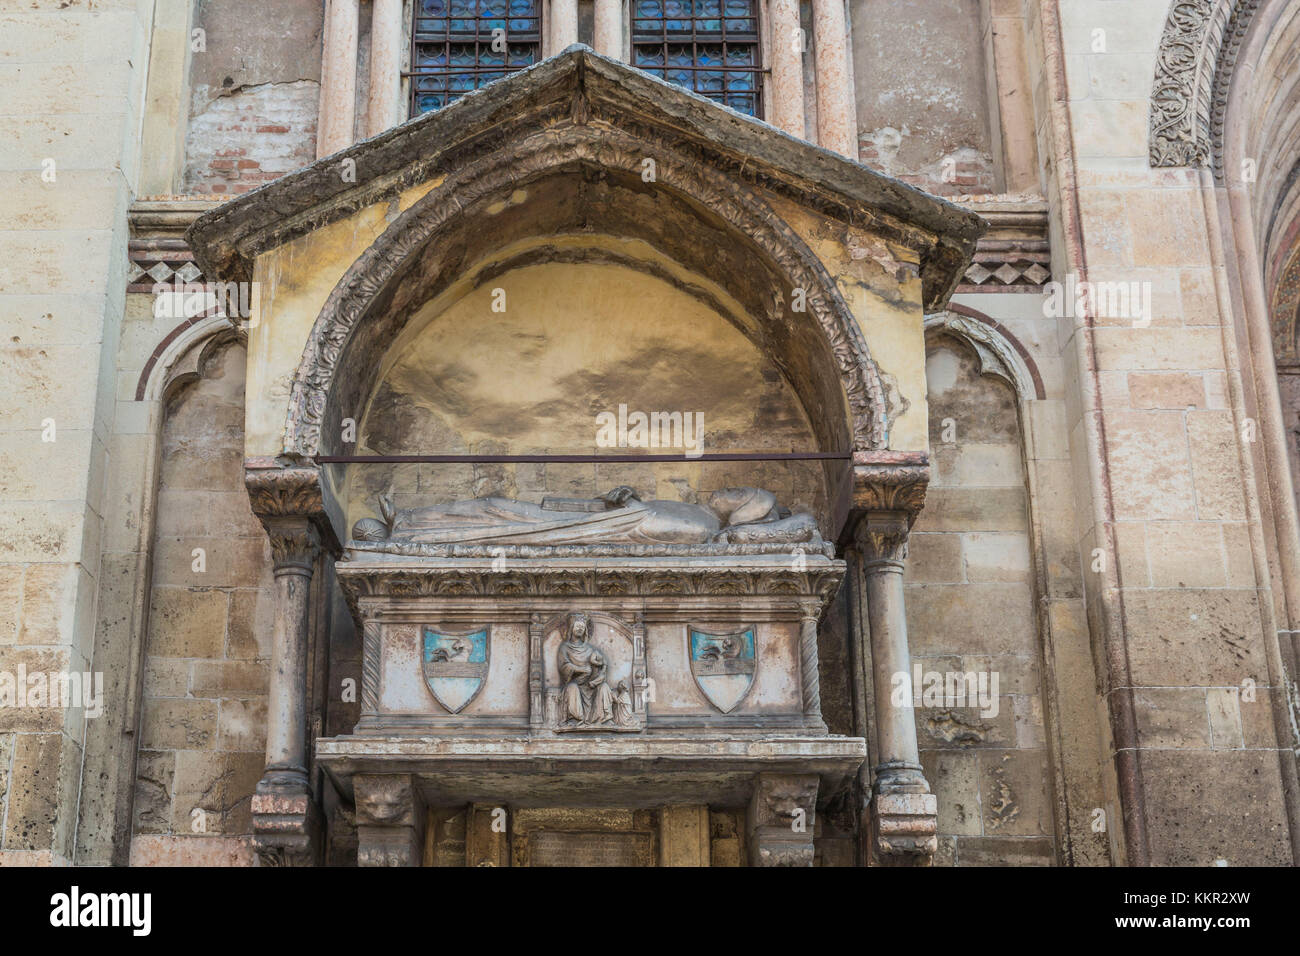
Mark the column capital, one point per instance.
(881, 538)
(888, 492)
(279, 493)
(295, 544)
(890, 481)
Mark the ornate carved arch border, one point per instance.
(528, 158)
(999, 352)
(1194, 66)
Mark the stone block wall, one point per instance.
(971, 609)
(1179, 606)
(72, 75)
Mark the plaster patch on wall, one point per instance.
(250, 136)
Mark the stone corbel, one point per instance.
(287, 828)
(286, 819)
(782, 819)
(390, 820)
(889, 492)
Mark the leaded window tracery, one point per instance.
(708, 46)
(459, 45)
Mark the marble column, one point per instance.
(295, 545)
(809, 669)
(283, 810)
(786, 111)
(564, 25)
(286, 818)
(836, 123)
(609, 28)
(383, 106)
(336, 120)
(904, 821)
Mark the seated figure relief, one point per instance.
(731, 516)
(586, 699)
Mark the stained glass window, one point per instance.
(459, 45)
(709, 46)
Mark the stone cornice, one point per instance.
(790, 576)
(1015, 254)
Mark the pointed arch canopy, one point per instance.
(584, 146)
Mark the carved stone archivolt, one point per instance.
(1194, 67)
(997, 356)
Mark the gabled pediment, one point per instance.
(575, 90)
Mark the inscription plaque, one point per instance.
(576, 848)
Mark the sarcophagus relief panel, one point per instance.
(621, 675)
(707, 630)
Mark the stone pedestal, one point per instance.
(287, 827)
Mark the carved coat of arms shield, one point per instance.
(723, 665)
(455, 666)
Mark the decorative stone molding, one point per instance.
(160, 262)
(1014, 255)
(157, 251)
(1194, 66)
(1009, 266)
(534, 577)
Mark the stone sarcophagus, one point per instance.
(589, 657)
